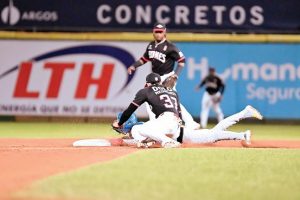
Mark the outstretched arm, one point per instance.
(145, 58)
(135, 65)
(127, 113)
(200, 85)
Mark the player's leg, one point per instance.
(205, 106)
(229, 135)
(200, 136)
(248, 112)
(208, 136)
(218, 111)
(157, 130)
(216, 106)
(188, 119)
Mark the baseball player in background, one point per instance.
(214, 89)
(163, 55)
(165, 105)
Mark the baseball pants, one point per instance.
(209, 101)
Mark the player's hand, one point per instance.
(218, 100)
(170, 81)
(115, 124)
(130, 70)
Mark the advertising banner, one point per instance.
(266, 76)
(179, 15)
(69, 78)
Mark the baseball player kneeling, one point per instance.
(164, 104)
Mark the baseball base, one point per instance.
(92, 143)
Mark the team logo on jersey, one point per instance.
(165, 47)
(157, 55)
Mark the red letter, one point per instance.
(58, 70)
(102, 82)
(22, 82)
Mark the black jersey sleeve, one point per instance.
(202, 82)
(127, 113)
(140, 97)
(176, 54)
(145, 58)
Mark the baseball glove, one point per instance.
(118, 129)
(170, 82)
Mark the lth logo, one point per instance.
(10, 14)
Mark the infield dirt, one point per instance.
(26, 160)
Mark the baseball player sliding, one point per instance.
(165, 128)
(163, 54)
(201, 136)
(214, 89)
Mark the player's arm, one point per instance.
(127, 113)
(201, 84)
(180, 59)
(145, 58)
(139, 99)
(221, 86)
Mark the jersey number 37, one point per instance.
(170, 102)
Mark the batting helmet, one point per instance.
(153, 78)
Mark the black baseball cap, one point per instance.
(211, 69)
(159, 27)
(153, 78)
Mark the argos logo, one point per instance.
(11, 15)
(60, 72)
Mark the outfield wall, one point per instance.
(204, 16)
(88, 77)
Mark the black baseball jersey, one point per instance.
(160, 99)
(163, 56)
(213, 84)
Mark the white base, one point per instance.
(92, 143)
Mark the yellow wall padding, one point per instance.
(130, 36)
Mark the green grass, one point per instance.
(206, 173)
(79, 130)
(55, 130)
(181, 174)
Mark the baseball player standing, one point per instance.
(214, 89)
(165, 105)
(163, 54)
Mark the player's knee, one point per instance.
(137, 132)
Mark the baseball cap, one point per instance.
(212, 69)
(153, 78)
(159, 27)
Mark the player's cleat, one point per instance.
(171, 144)
(145, 144)
(247, 136)
(252, 112)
